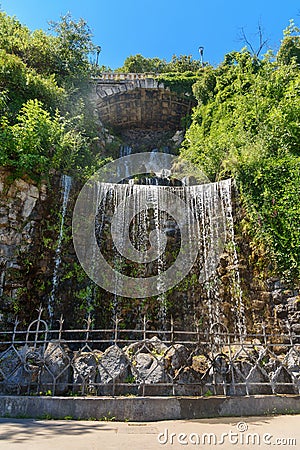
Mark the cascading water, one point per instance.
(125, 150)
(146, 226)
(2, 282)
(236, 291)
(66, 182)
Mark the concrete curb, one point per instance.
(147, 408)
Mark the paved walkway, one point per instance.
(224, 433)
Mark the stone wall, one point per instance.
(30, 215)
(19, 216)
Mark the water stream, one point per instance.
(66, 182)
(2, 282)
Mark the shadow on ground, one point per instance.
(16, 430)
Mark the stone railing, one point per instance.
(110, 84)
(114, 76)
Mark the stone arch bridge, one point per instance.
(138, 101)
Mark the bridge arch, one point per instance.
(129, 101)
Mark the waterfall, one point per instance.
(237, 294)
(91, 286)
(158, 222)
(65, 191)
(144, 231)
(2, 282)
(125, 150)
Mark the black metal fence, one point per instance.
(141, 362)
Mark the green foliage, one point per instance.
(74, 41)
(270, 187)
(181, 83)
(38, 142)
(178, 64)
(140, 64)
(183, 63)
(19, 83)
(28, 145)
(247, 125)
(290, 46)
(45, 112)
(65, 54)
(203, 89)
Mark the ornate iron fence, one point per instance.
(40, 361)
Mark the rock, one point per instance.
(56, 369)
(148, 365)
(113, 366)
(281, 311)
(271, 366)
(258, 305)
(284, 382)
(84, 370)
(246, 375)
(19, 369)
(43, 192)
(156, 344)
(22, 185)
(28, 231)
(265, 296)
(178, 138)
(277, 296)
(220, 364)
(29, 204)
(33, 191)
(296, 328)
(294, 304)
(189, 382)
(12, 215)
(189, 376)
(201, 363)
(255, 380)
(3, 221)
(153, 345)
(148, 369)
(293, 360)
(176, 357)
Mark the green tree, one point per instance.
(178, 64)
(290, 45)
(46, 115)
(183, 63)
(247, 126)
(74, 46)
(140, 64)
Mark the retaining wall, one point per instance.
(147, 409)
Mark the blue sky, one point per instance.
(166, 27)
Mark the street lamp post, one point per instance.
(201, 50)
(98, 50)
